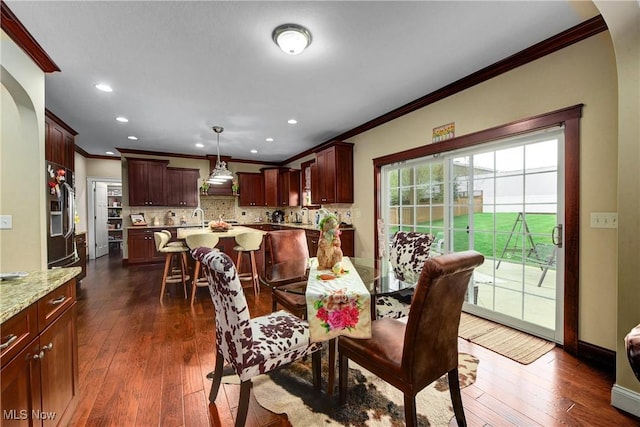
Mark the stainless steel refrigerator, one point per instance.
(61, 247)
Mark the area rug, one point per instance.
(371, 401)
(509, 342)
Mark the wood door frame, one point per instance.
(569, 118)
(91, 203)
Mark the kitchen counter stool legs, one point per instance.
(207, 240)
(248, 243)
(177, 252)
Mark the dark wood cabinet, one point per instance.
(141, 246)
(60, 141)
(271, 193)
(332, 175)
(40, 384)
(182, 187)
(281, 187)
(81, 249)
(147, 179)
(251, 189)
(347, 238)
(289, 187)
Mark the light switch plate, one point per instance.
(6, 222)
(604, 219)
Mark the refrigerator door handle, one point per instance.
(71, 209)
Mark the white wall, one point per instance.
(22, 178)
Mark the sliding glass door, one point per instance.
(503, 200)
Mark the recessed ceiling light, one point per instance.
(292, 121)
(200, 145)
(254, 151)
(103, 87)
(111, 153)
(269, 139)
(133, 138)
(122, 119)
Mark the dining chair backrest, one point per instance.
(285, 245)
(234, 337)
(431, 336)
(409, 251)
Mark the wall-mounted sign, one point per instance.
(443, 132)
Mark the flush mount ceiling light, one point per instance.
(220, 174)
(103, 87)
(291, 38)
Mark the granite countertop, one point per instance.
(18, 294)
(232, 232)
(248, 224)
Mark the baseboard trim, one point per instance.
(625, 400)
(599, 356)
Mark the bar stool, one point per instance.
(162, 240)
(207, 240)
(248, 242)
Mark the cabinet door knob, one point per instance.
(47, 347)
(38, 355)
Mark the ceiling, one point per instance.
(179, 68)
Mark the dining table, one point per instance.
(339, 302)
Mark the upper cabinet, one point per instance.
(182, 187)
(251, 189)
(60, 141)
(147, 179)
(281, 186)
(332, 175)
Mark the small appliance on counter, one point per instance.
(277, 216)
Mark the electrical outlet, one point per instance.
(243, 213)
(6, 222)
(604, 220)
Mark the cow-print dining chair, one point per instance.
(409, 251)
(250, 346)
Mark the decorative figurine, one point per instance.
(329, 250)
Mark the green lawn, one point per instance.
(539, 227)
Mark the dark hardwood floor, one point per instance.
(143, 364)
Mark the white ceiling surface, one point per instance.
(178, 68)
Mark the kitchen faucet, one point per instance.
(195, 212)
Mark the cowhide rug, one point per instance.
(371, 401)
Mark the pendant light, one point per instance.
(220, 174)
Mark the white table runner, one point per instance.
(341, 306)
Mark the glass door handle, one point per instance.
(556, 235)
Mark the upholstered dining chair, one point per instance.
(411, 355)
(285, 245)
(409, 250)
(193, 241)
(250, 346)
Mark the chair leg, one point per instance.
(217, 377)
(410, 415)
(331, 362)
(167, 267)
(243, 404)
(274, 303)
(184, 269)
(254, 274)
(456, 397)
(343, 378)
(316, 367)
(196, 275)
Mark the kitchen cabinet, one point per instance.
(147, 179)
(281, 186)
(40, 384)
(81, 249)
(332, 175)
(60, 143)
(182, 187)
(251, 189)
(271, 194)
(347, 243)
(141, 246)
